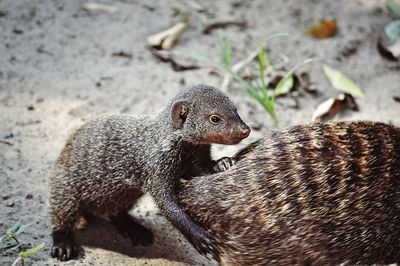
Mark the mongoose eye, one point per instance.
(215, 119)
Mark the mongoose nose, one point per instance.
(245, 132)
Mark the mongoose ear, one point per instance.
(179, 112)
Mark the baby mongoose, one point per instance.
(111, 161)
(319, 194)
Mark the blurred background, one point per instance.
(65, 62)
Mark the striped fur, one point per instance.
(319, 194)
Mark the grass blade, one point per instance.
(31, 251)
(393, 6)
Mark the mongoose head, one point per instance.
(203, 115)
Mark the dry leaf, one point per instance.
(329, 107)
(324, 29)
(166, 39)
(332, 107)
(394, 49)
(95, 7)
(341, 82)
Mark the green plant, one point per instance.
(11, 235)
(259, 91)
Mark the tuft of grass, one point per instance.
(9, 243)
(260, 91)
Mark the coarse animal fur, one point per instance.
(111, 161)
(318, 194)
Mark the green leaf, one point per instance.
(3, 238)
(31, 251)
(341, 82)
(261, 63)
(393, 6)
(21, 229)
(14, 227)
(13, 247)
(284, 85)
(175, 11)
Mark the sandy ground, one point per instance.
(57, 70)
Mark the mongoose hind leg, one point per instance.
(64, 247)
(128, 227)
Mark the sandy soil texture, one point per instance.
(60, 65)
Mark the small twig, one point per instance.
(6, 142)
(223, 24)
(16, 261)
(164, 56)
(308, 60)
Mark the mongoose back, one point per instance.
(319, 194)
(109, 162)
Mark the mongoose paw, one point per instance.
(223, 164)
(128, 227)
(64, 247)
(204, 244)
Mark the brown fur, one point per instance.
(69, 146)
(319, 194)
(111, 161)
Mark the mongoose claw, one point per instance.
(203, 243)
(64, 247)
(223, 164)
(64, 251)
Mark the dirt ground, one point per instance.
(61, 65)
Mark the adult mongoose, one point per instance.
(318, 194)
(111, 161)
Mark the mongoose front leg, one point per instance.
(128, 227)
(201, 240)
(64, 247)
(223, 164)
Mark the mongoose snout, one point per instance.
(236, 132)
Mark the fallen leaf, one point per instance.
(223, 24)
(284, 85)
(166, 39)
(394, 49)
(175, 65)
(393, 6)
(341, 82)
(96, 7)
(389, 41)
(350, 102)
(324, 29)
(383, 51)
(332, 106)
(328, 107)
(392, 30)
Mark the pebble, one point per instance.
(10, 203)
